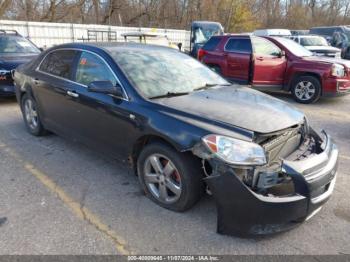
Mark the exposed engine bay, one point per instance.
(294, 143)
(297, 178)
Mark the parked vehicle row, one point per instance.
(183, 128)
(276, 63)
(14, 50)
(337, 36)
(318, 45)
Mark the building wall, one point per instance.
(45, 34)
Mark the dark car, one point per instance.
(14, 50)
(183, 128)
(328, 31)
(277, 64)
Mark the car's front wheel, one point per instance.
(171, 179)
(306, 89)
(31, 116)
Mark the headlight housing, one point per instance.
(235, 151)
(338, 70)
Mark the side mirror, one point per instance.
(105, 87)
(282, 53)
(41, 49)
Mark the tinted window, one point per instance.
(15, 44)
(212, 43)
(92, 68)
(265, 47)
(240, 45)
(59, 63)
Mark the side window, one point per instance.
(92, 68)
(239, 45)
(59, 63)
(265, 47)
(212, 43)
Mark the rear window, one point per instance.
(59, 63)
(212, 43)
(239, 45)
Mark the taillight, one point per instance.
(201, 54)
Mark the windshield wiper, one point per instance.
(170, 94)
(206, 86)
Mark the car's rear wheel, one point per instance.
(306, 89)
(169, 178)
(31, 116)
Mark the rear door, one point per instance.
(238, 52)
(269, 64)
(53, 84)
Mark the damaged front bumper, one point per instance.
(243, 212)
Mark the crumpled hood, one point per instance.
(11, 62)
(237, 106)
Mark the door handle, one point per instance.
(260, 58)
(72, 94)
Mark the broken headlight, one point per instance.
(235, 151)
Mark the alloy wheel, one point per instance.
(162, 178)
(31, 114)
(305, 90)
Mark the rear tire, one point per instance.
(31, 116)
(306, 89)
(169, 178)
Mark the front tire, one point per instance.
(169, 178)
(306, 89)
(31, 117)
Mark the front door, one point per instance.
(269, 64)
(102, 121)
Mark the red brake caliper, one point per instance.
(175, 175)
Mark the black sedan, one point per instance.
(14, 50)
(184, 130)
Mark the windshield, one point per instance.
(14, 44)
(294, 47)
(160, 72)
(313, 41)
(202, 34)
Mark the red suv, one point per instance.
(275, 63)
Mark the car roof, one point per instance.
(232, 35)
(113, 46)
